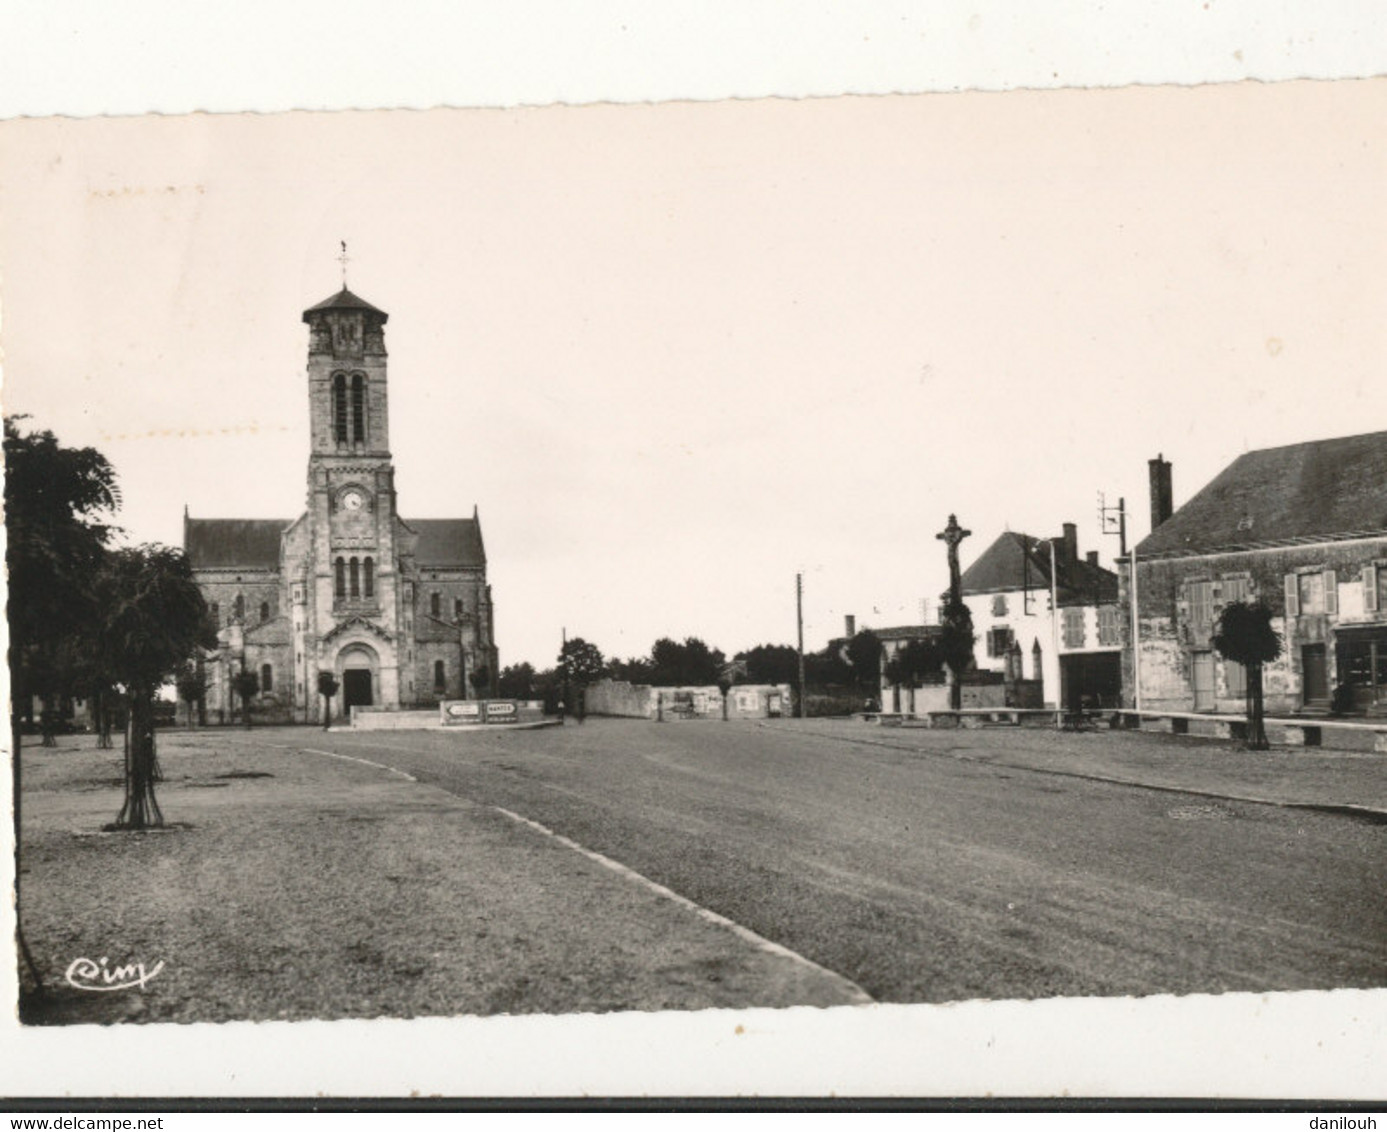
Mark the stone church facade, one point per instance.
(398, 609)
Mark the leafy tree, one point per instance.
(864, 654)
(956, 646)
(689, 663)
(192, 687)
(517, 682)
(57, 505)
(581, 662)
(154, 617)
(771, 664)
(637, 670)
(1243, 634)
(327, 688)
(822, 669)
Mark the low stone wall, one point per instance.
(368, 720)
(640, 701)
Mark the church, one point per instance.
(398, 609)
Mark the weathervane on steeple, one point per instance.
(342, 259)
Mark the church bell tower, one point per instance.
(349, 605)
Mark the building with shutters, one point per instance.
(399, 610)
(1302, 528)
(1065, 635)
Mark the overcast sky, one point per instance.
(678, 353)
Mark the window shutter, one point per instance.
(1370, 588)
(1331, 593)
(1292, 596)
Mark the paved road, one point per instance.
(923, 878)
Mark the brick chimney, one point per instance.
(1071, 542)
(1162, 496)
(849, 625)
(1092, 557)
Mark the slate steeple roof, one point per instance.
(344, 300)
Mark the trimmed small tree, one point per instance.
(480, 681)
(327, 688)
(192, 686)
(246, 685)
(724, 686)
(153, 618)
(1243, 634)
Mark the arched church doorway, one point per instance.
(359, 666)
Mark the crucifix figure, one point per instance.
(342, 259)
(953, 534)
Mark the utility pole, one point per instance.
(799, 621)
(1113, 521)
(563, 690)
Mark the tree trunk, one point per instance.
(141, 809)
(103, 720)
(327, 712)
(1256, 725)
(47, 723)
(956, 692)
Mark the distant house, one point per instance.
(1303, 528)
(1076, 653)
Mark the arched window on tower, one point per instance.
(264, 611)
(339, 408)
(358, 407)
(354, 567)
(240, 608)
(435, 604)
(267, 678)
(368, 577)
(439, 677)
(341, 588)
